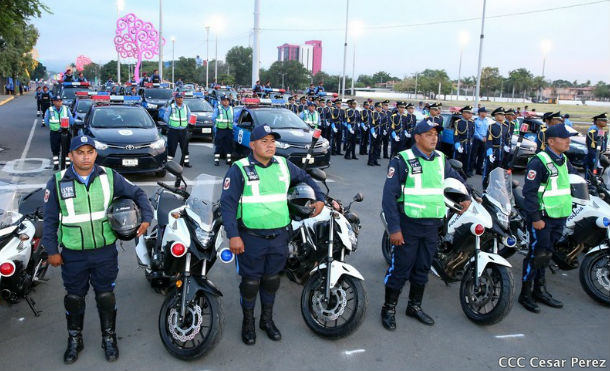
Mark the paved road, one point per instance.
(454, 343)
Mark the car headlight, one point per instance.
(151, 105)
(158, 144)
(282, 145)
(100, 146)
(325, 144)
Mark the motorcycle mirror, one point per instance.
(358, 197)
(317, 174)
(174, 168)
(457, 165)
(604, 161)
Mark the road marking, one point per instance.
(509, 336)
(26, 148)
(13, 166)
(355, 351)
(27, 144)
(208, 145)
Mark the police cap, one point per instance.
(467, 109)
(558, 131)
(602, 117)
(498, 111)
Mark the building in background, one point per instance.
(309, 54)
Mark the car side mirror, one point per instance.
(174, 168)
(317, 174)
(358, 197)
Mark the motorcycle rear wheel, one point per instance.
(200, 330)
(594, 276)
(494, 298)
(344, 312)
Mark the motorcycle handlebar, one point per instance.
(175, 190)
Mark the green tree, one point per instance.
(239, 60)
(366, 80)
(521, 79)
(295, 76)
(40, 72)
(491, 80)
(602, 90)
(428, 80)
(383, 76)
(561, 84)
(92, 70)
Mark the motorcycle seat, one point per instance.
(519, 199)
(167, 202)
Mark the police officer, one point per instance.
(513, 123)
(434, 115)
(311, 90)
(477, 155)
(365, 125)
(302, 104)
(462, 137)
(414, 206)
(144, 79)
(398, 126)
(326, 119)
(311, 115)
(378, 121)
(52, 117)
(548, 203)
(255, 216)
(68, 77)
(292, 106)
(337, 115)
(352, 122)
(81, 77)
(549, 119)
(498, 144)
(177, 116)
(223, 136)
(320, 88)
(385, 128)
(155, 78)
(76, 200)
(410, 125)
(597, 143)
(45, 101)
(37, 94)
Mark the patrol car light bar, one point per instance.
(156, 85)
(278, 101)
(101, 98)
(251, 101)
(198, 94)
(265, 101)
(75, 84)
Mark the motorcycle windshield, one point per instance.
(8, 207)
(500, 188)
(205, 193)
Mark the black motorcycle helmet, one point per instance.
(301, 198)
(125, 218)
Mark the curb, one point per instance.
(7, 100)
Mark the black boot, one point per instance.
(525, 297)
(248, 333)
(388, 311)
(543, 296)
(416, 294)
(75, 338)
(266, 323)
(354, 157)
(106, 308)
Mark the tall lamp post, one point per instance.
(173, 58)
(463, 38)
(478, 88)
(161, 40)
(217, 26)
(355, 31)
(345, 50)
(207, 54)
(120, 5)
(545, 46)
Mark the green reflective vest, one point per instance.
(554, 196)
(224, 120)
(311, 118)
(422, 195)
(264, 202)
(178, 118)
(83, 220)
(55, 117)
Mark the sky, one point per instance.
(402, 37)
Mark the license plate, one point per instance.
(130, 162)
(206, 130)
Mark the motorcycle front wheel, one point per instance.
(386, 248)
(491, 301)
(343, 312)
(595, 277)
(198, 332)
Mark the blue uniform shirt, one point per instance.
(535, 174)
(46, 116)
(392, 190)
(480, 128)
(122, 188)
(168, 112)
(234, 187)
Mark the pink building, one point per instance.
(309, 54)
(317, 55)
(288, 52)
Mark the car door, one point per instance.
(241, 134)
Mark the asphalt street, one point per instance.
(580, 329)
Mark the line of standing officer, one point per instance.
(477, 155)
(223, 131)
(52, 118)
(365, 125)
(352, 121)
(256, 218)
(177, 117)
(498, 144)
(385, 128)
(462, 138)
(398, 129)
(326, 120)
(337, 117)
(414, 206)
(597, 143)
(378, 122)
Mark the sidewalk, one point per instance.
(5, 99)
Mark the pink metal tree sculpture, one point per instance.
(136, 39)
(81, 62)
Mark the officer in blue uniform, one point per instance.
(81, 77)
(261, 252)
(223, 117)
(410, 125)
(549, 119)
(385, 128)
(45, 102)
(414, 239)
(545, 230)
(177, 129)
(378, 121)
(498, 144)
(52, 118)
(434, 115)
(477, 154)
(37, 95)
(291, 105)
(326, 120)
(352, 122)
(462, 138)
(398, 129)
(597, 143)
(320, 88)
(81, 265)
(302, 105)
(337, 117)
(365, 125)
(311, 90)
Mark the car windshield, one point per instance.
(198, 105)
(500, 188)
(70, 93)
(206, 191)
(279, 119)
(158, 93)
(121, 117)
(221, 92)
(83, 105)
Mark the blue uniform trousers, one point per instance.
(98, 267)
(544, 239)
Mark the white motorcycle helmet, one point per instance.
(454, 192)
(579, 189)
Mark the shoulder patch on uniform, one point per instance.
(531, 175)
(227, 183)
(47, 193)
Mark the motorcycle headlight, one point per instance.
(151, 105)
(100, 146)
(502, 219)
(202, 236)
(282, 145)
(158, 144)
(352, 238)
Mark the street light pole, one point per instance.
(173, 59)
(478, 88)
(160, 40)
(353, 68)
(345, 50)
(216, 60)
(207, 55)
(256, 42)
(119, 7)
(459, 74)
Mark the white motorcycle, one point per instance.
(23, 260)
